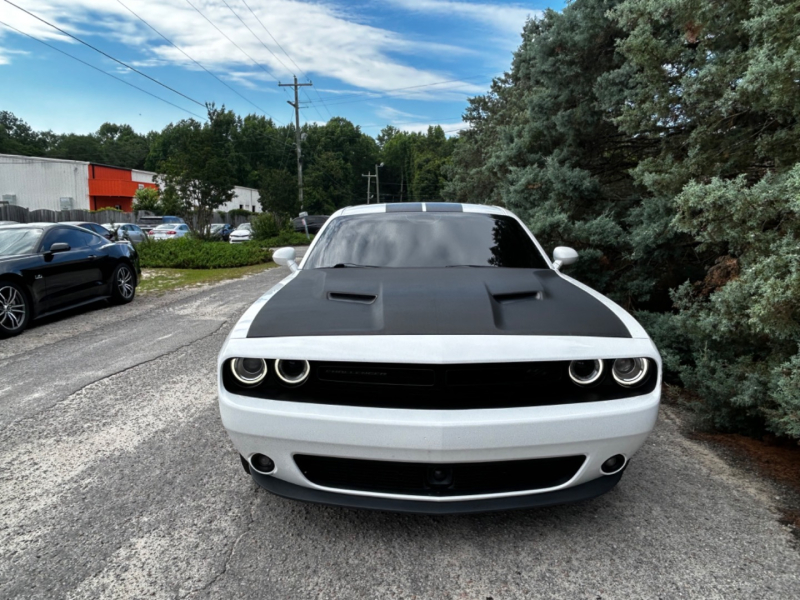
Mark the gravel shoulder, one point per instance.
(118, 481)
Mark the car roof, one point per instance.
(36, 225)
(363, 209)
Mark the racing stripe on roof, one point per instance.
(443, 207)
(404, 207)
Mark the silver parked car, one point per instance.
(127, 231)
(169, 231)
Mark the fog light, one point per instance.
(262, 464)
(613, 464)
(292, 372)
(586, 372)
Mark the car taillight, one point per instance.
(171, 232)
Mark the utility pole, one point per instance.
(369, 177)
(378, 183)
(297, 140)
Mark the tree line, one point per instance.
(206, 159)
(662, 141)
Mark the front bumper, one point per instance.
(280, 430)
(578, 493)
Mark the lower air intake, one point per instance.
(424, 479)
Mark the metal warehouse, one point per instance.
(46, 183)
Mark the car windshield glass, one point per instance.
(244, 226)
(216, 227)
(425, 240)
(166, 227)
(19, 241)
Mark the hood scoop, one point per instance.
(351, 297)
(515, 296)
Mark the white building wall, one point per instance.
(143, 176)
(41, 182)
(246, 198)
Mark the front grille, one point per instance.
(422, 479)
(437, 387)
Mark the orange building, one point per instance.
(113, 187)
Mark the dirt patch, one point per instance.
(778, 461)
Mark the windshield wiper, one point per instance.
(472, 266)
(346, 265)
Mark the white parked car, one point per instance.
(431, 358)
(169, 231)
(243, 233)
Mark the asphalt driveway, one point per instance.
(118, 481)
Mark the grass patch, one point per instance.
(189, 253)
(156, 281)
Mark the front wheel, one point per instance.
(123, 284)
(15, 309)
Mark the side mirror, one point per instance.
(563, 256)
(59, 247)
(285, 257)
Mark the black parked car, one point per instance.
(96, 227)
(49, 267)
(315, 223)
(220, 231)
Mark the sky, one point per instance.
(408, 63)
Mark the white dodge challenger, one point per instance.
(429, 357)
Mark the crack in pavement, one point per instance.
(247, 529)
(71, 393)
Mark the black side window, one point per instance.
(76, 239)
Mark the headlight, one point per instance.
(630, 372)
(292, 372)
(586, 372)
(249, 371)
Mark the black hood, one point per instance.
(435, 301)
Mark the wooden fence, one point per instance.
(23, 215)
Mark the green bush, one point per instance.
(265, 226)
(287, 238)
(190, 253)
(239, 212)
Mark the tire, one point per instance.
(15, 309)
(123, 284)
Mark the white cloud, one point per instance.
(320, 37)
(506, 17)
(7, 53)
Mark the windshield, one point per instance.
(216, 227)
(19, 241)
(166, 227)
(425, 240)
(244, 226)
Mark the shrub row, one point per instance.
(287, 238)
(189, 253)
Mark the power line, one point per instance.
(193, 60)
(269, 33)
(267, 48)
(101, 70)
(258, 64)
(116, 60)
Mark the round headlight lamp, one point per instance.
(292, 372)
(249, 371)
(586, 372)
(630, 372)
